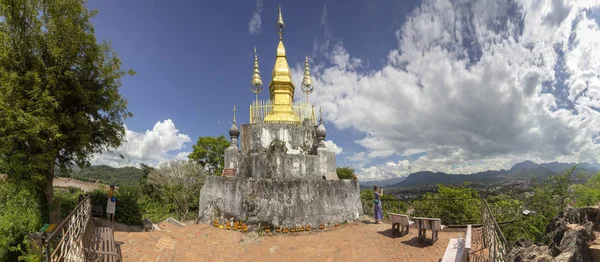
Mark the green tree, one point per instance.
(179, 183)
(345, 172)
(209, 152)
(59, 98)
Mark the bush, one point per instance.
(550, 197)
(587, 194)
(19, 215)
(68, 199)
(389, 203)
(453, 205)
(155, 210)
(127, 210)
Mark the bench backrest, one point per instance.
(399, 218)
(428, 223)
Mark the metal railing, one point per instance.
(262, 108)
(488, 241)
(71, 238)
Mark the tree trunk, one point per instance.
(48, 193)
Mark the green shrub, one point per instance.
(587, 194)
(453, 205)
(68, 199)
(155, 210)
(19, 215)
(127, 210)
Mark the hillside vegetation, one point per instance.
(124, 176)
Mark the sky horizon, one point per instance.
(405, 86)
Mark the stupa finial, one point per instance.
(234, 132)
(307, 87)
(256, 85)
(280, 25)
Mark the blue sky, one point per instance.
(370, 59)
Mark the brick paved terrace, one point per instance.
(356, 241)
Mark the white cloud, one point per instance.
(151, 147)
(473, 84)
(331, 146)
(255, 20)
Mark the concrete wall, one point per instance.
(280, 166)
(280, 202)
(298, 139)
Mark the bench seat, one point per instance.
(424, 223)
(400, 223)
(105, 247)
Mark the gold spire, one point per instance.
(281, 70)
(307, 86)
(281, 88)
(256, 80)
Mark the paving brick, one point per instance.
(350, 242)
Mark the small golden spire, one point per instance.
(280, 24)
(256, 80)
(307, 87)
(256, 85)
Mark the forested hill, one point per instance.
(526, 170)
(123, 176)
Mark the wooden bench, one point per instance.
(458, 248)
(424, 223)
(400, 223)
(105, 247)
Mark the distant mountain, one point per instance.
(384, 182)
(525, 170)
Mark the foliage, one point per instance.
(550, 197)
(123, 176)
(389, 203)
(209, 152)
(453, 205)
(68, 199)
(505, 208)
(179, 183)
(589, 193)
(19, 215)
(127, 210)
(154, 209)
(345, 172)
(60, 100)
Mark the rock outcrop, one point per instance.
(571, 235)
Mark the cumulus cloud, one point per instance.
(331, 146)
(151, 147)
(472, 86)
(255, 20)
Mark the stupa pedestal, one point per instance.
(282, 178)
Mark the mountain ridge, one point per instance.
(525, 170)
